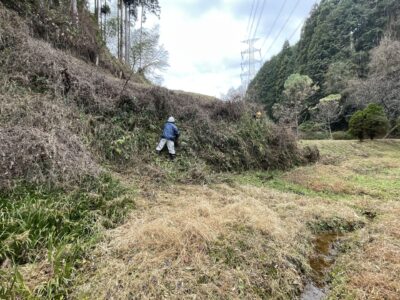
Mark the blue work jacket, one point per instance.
(170, 132)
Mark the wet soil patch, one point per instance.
(321, 261)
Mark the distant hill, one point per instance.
(337, 35)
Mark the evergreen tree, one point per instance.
(370, 122)
(335, 41)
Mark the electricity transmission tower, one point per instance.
(251, 61)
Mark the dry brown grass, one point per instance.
(249, 242)
(219, 242)
(38, 157)
(372, 266)
(42, 140)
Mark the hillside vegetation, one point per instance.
(89, 211)
(334, 48)
(71, 131)
(49, 95)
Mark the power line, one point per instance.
(254, 18)
(259, 18)
(296, 30)
(283, 28)
(274, 23)
(250, 16)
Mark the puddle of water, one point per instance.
(311, 292)
(320, 262)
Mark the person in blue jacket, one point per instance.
(169, 136)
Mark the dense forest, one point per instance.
(334, 51)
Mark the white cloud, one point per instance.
(199, 47)
(204, 41)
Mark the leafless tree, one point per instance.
(233, 94)
(327, 111)
(147, 56)
(383, 83)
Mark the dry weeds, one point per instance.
(219, 242)
(41, 141)
(249, 242)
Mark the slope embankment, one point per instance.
(80, 116)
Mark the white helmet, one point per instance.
(171, 120)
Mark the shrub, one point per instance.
(342, 135)
(312, 131)
(370, 122)
(376, 122)
(356, 125)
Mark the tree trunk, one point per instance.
(105, 29)
(121, 31)
(118, 35)
(96, 10)
(141, 37)
(74, 10)
(126, 34)
(101, 19)
(390, 131)
(329, 128)
(129, 35)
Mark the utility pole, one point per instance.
(251, 61)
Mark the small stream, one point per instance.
(320, 262)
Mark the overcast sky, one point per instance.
(204, 38)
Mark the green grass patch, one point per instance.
(383, 188)
(338, 284)
(274, 180)
(41, 224)
(336, 224)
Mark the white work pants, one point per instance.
(170, 145)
